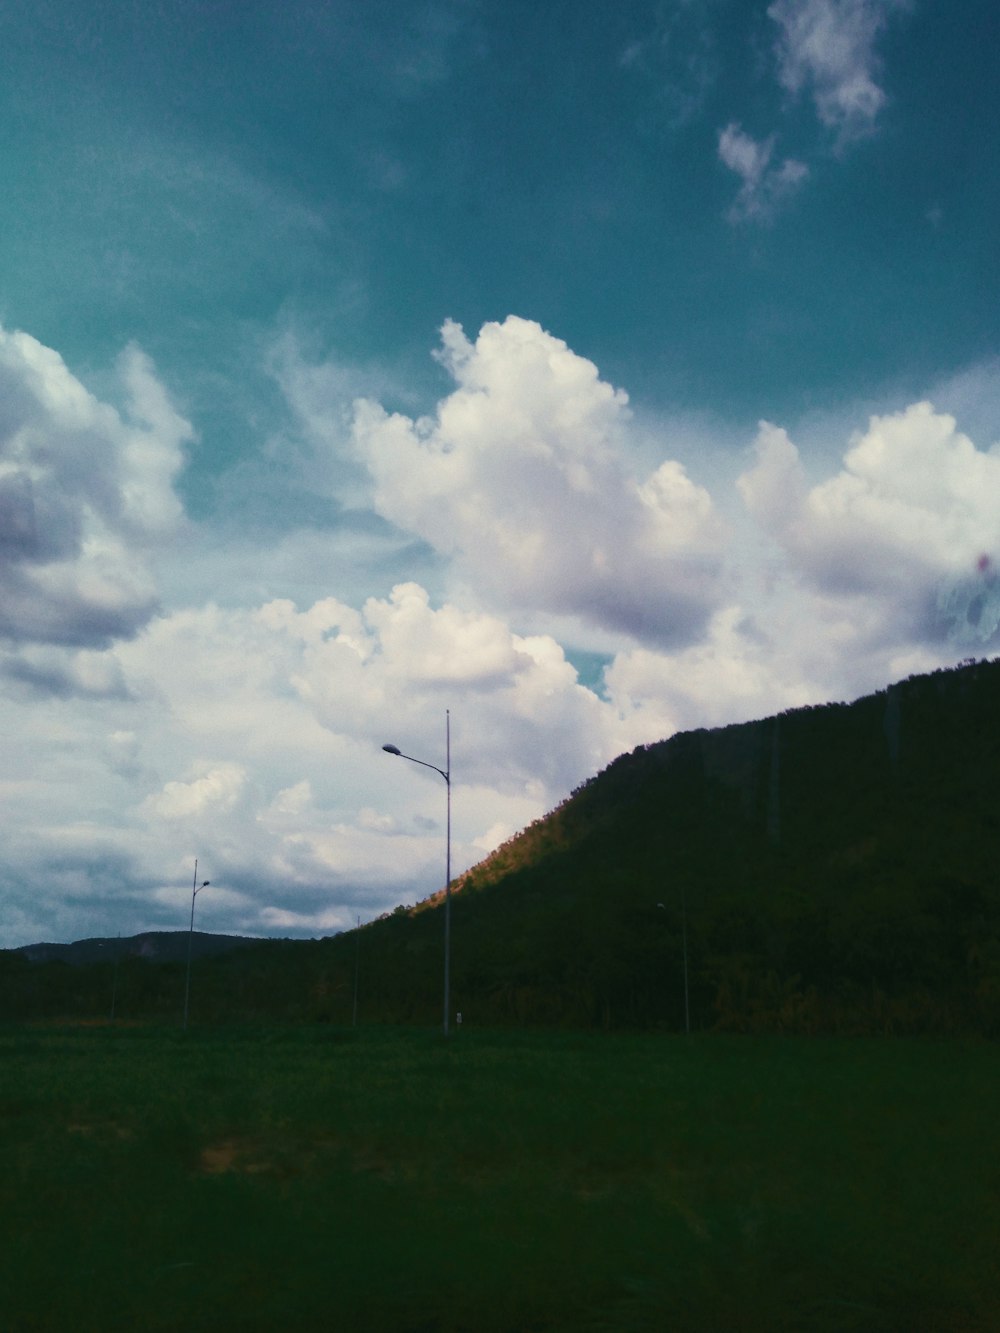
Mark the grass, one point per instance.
(387, 1180)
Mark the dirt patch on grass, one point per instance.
(106, 1129)
(233, 1155)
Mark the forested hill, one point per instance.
(832, 869)
(161, 946)
(815, 781)
(835, 867)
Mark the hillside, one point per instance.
(836, 869)
(830, 869)
(159, 946)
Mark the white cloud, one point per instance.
(521, 479)
(828, 46)
(399, 662)
(738, 672)
(213, 793)
(251, 738)
(291, 801)
(972, 396)
(84, 495)
(764, 186)
(913, 515)
(327, 921)
(250, 735)
(46, 670)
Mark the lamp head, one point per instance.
(392, 749)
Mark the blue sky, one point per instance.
(595, 371)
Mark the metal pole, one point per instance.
(195, 886)
(446, 774)
(447, 875)
(187, 980)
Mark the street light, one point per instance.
(446, 774)
(196, 888)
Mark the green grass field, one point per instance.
(387, 1180)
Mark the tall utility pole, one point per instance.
(196, 888)
(446, 774)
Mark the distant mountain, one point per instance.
(139, 978)
(159, 946)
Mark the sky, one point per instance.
(589, 372)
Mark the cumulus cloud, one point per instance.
(215, 792)
(323, 922)
(398, 662)
(740, 670)
(912, 517)
(521, 478)
(251, 738)
(828, 46)
(764, 186)
(250, 735)
(42, 670)
(84, 494)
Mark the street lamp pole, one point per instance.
(446, 774)
(196, 888)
